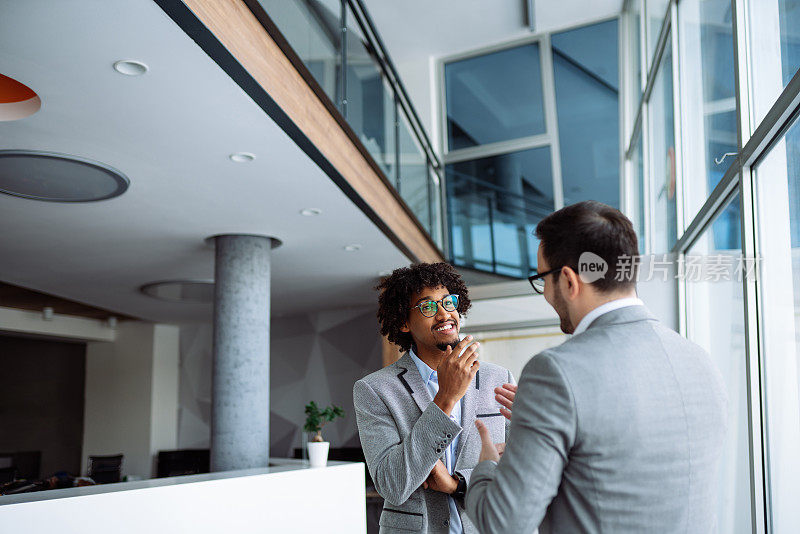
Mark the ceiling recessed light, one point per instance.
(129, 67)
(353, 247)
(58, 177)
(310, 212)
(242, 157)
(387, 272)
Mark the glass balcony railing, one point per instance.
(491, 228)
(338, 44)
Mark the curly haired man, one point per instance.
(416, 417)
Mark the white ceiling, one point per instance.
(170, 131)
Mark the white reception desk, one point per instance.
(291, 498)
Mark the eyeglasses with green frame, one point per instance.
(429, 308)
(537, 280)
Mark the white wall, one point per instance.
(131, 403)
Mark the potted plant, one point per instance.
(315, 420)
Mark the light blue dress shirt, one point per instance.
(431, 379)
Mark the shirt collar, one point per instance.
(603, 309)
(424, 370)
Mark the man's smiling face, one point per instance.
(437, 332)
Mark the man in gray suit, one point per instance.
(620, 428)
(415, 417)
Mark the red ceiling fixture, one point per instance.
(17, 100)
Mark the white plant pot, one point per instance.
(318, 453)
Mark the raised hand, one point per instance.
(488, 449)
(455, 373)
(505, 395)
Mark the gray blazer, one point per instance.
(403, 434)
(619, 429)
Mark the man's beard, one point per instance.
(560, 305)
(443, 346)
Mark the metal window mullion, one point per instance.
(759, 495)
(551, 118)
(498, 149)
(625, 73)
(648, 220)
(343, 24)
(677, 119)
(396, 143)
(760, 503)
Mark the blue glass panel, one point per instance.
(585, 65)
(494, 97)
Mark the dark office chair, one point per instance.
(105, 469)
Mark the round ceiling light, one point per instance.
(311, 212)
(242, 157)
(17, 100)
(58, 177)
(353, 247)
(129, 67)
(181, 290)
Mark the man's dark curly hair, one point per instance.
(394, 302)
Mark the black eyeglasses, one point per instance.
(430, 307)
(537, 280)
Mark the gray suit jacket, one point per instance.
(619, 429)
(403, 434)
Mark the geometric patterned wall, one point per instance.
(313, 356)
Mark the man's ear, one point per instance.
(571, 281)
(405, 328)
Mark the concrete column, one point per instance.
(240, 379)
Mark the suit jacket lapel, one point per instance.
(469, 408)
(409, 375)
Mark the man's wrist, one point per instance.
(445, 404)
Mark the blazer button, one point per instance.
(439, 451)
(448, 435)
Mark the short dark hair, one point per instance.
(394, 302)
(591, 226)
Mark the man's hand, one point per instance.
(455, 374)
(440, 479)
(505, 395)
(488, 449)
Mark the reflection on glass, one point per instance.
(494, 204)
(775, 49)
(415, 185)
(635, 46)
(370, 102)
(778, 214)
(656, 12)
(713, 274)
(662, 157)
(709, 96)
(312, 28)
(494, 97)
(637, 183)
(585, 68)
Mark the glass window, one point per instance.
(778, 215)
(585, 62)
(662, 158)
(494, 206)
(715, 312)
(656, 12)
(494, 97)
(415, 183)
(370, 102)
(312, 29)
(708, 96)
(637, 184)
(775, 49)
(635, 57)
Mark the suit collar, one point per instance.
(629, 314)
